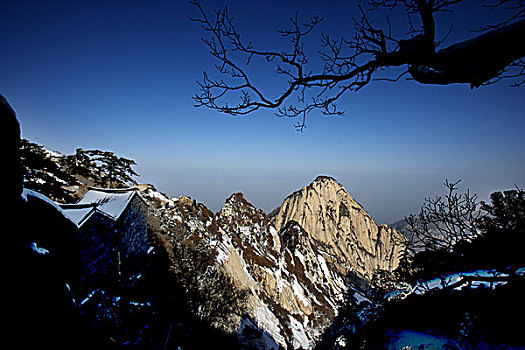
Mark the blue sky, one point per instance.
(120, 76)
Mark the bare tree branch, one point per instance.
(349, 65)
(444, 222)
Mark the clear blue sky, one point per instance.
(120, 76)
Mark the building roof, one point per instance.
(27, 193)
(112, 202)
(109, 202)
(78, 213)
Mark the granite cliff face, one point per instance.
(295, 264)
(293, 294)
(327, 211)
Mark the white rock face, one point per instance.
(330, 215)
(290, 296)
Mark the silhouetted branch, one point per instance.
(349, 65)
(444, 222)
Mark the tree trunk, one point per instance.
(474, 61)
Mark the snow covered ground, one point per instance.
(477, 278)
(407, 340)
(457, 277)
(412, 340)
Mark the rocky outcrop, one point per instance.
(12, 177)
(291, 297)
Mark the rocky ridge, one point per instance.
(295, 263)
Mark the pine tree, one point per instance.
(115, 171)
(80, 164)
(43, 174)
(104, 168)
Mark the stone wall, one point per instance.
(133, 225)
(109, 253)
(97, 253)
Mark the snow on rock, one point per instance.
(299, 293)
(300, 337)
(444, 281)
(149, 191)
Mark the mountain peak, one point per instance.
(329, 183)
(237, 196)
(321, 181)
(331, 216)
(237, 206)
(324, 178)
(327, 180)
(237, 201)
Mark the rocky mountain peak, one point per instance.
(236, 202)
(328, 182)
(237, 208)
(321, 183)
(330, 215)
(236, 197)
(326, 179)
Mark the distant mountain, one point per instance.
(399, 225)
(408, 231)
(402, 226)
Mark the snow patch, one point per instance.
(300, 255)
(38, 249)
(408, 339)
(298, 291)
(222, 253)
(269, 322)
(324, 267)
(300, 338)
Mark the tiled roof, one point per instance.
(110, 202)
